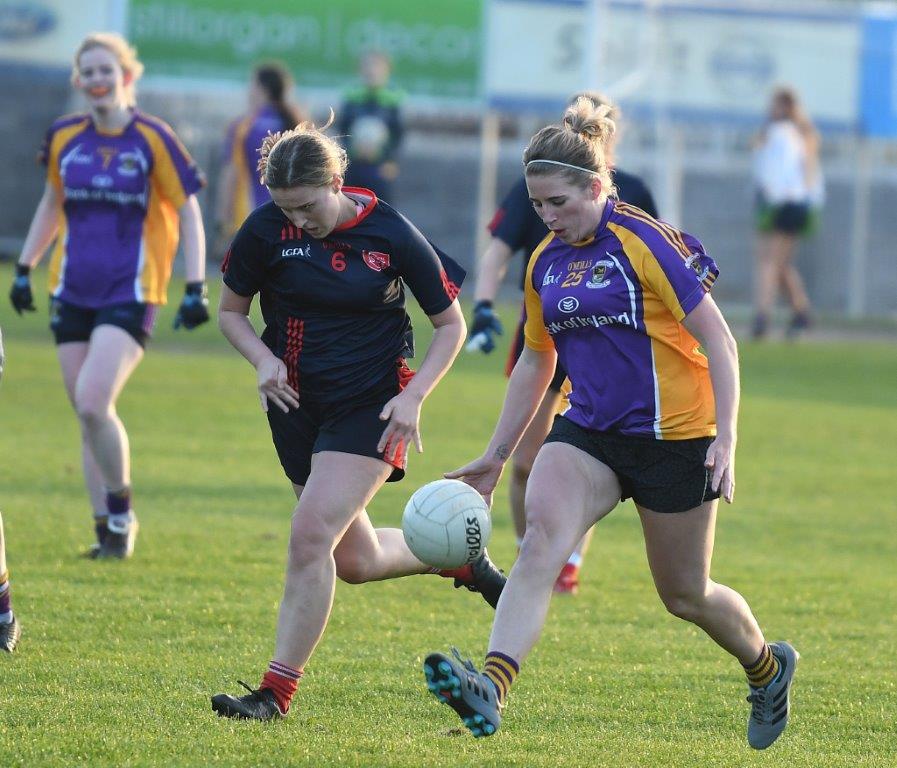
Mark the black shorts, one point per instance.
(787, 218)
(560, 375)
(348, 427)
(660, 475)
(73, 323)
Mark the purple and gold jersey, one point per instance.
(335, 307)
(120, 193)
(241, 149)
(612, 305)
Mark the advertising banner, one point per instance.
(435, 47)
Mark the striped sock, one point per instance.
(283, 682)
(762, 672)
(5, 599)
(501, 670)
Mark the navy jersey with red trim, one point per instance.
(518, 225)
(334, 308)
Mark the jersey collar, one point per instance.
(369, 206)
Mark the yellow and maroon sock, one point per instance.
(762, 672)
(501, 670)
(282, 681)
(5, 599)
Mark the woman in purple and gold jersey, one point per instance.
(119, 185)
(240, 190)
(623, 301)
(331, 264)
(516, 226)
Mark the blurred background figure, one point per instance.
(119, 187)
(517, 227)
(10, 631)
(271, 110)
(789, 191)
(370, 127)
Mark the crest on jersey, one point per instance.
(694, 261)
(375, 260)
(599, 277)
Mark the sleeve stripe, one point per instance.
(670, 234)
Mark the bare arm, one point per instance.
(403, 411)
(43, 229)
(707, 324)
(233, 320)
(491, 269)
(194, 240)
(526, 388)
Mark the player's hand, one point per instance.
(721, 462)
(274, 386)
(484, 328)
(403, 414)
(194, 309)
(481, 474)
(20, 295)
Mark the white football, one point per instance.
(446, 524)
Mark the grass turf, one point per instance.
(118, 660)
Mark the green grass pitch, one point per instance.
(118, 660)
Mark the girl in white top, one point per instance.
(789, 188)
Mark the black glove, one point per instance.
(485, 325)
(20, 295)
(194, 309)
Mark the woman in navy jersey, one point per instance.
(119, 187)
(623, 300)
(517, 227)
(270, 111)
(330, 265)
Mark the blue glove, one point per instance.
(194, 309)
(485, 326)
(21, 297)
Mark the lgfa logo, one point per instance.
(296, 253)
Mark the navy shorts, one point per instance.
(560, 375)
(73, 323)
(660, 475)
(348, 427)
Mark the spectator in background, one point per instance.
(370, 125)
(240, 190)
(789, 191)
(119, 185)
(10, 631)
(517, 227)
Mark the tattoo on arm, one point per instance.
(502, 452)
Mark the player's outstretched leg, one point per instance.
(469, 692)
(255, 705)
(771, 705)
(481, 576)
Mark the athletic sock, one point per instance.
(501, 670)
(5, 599)
(464, 573)
(282, 681)
(118, 504)
(763, 671)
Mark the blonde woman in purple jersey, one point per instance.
(119, 187)
(623, 301)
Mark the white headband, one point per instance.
(565, 165)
